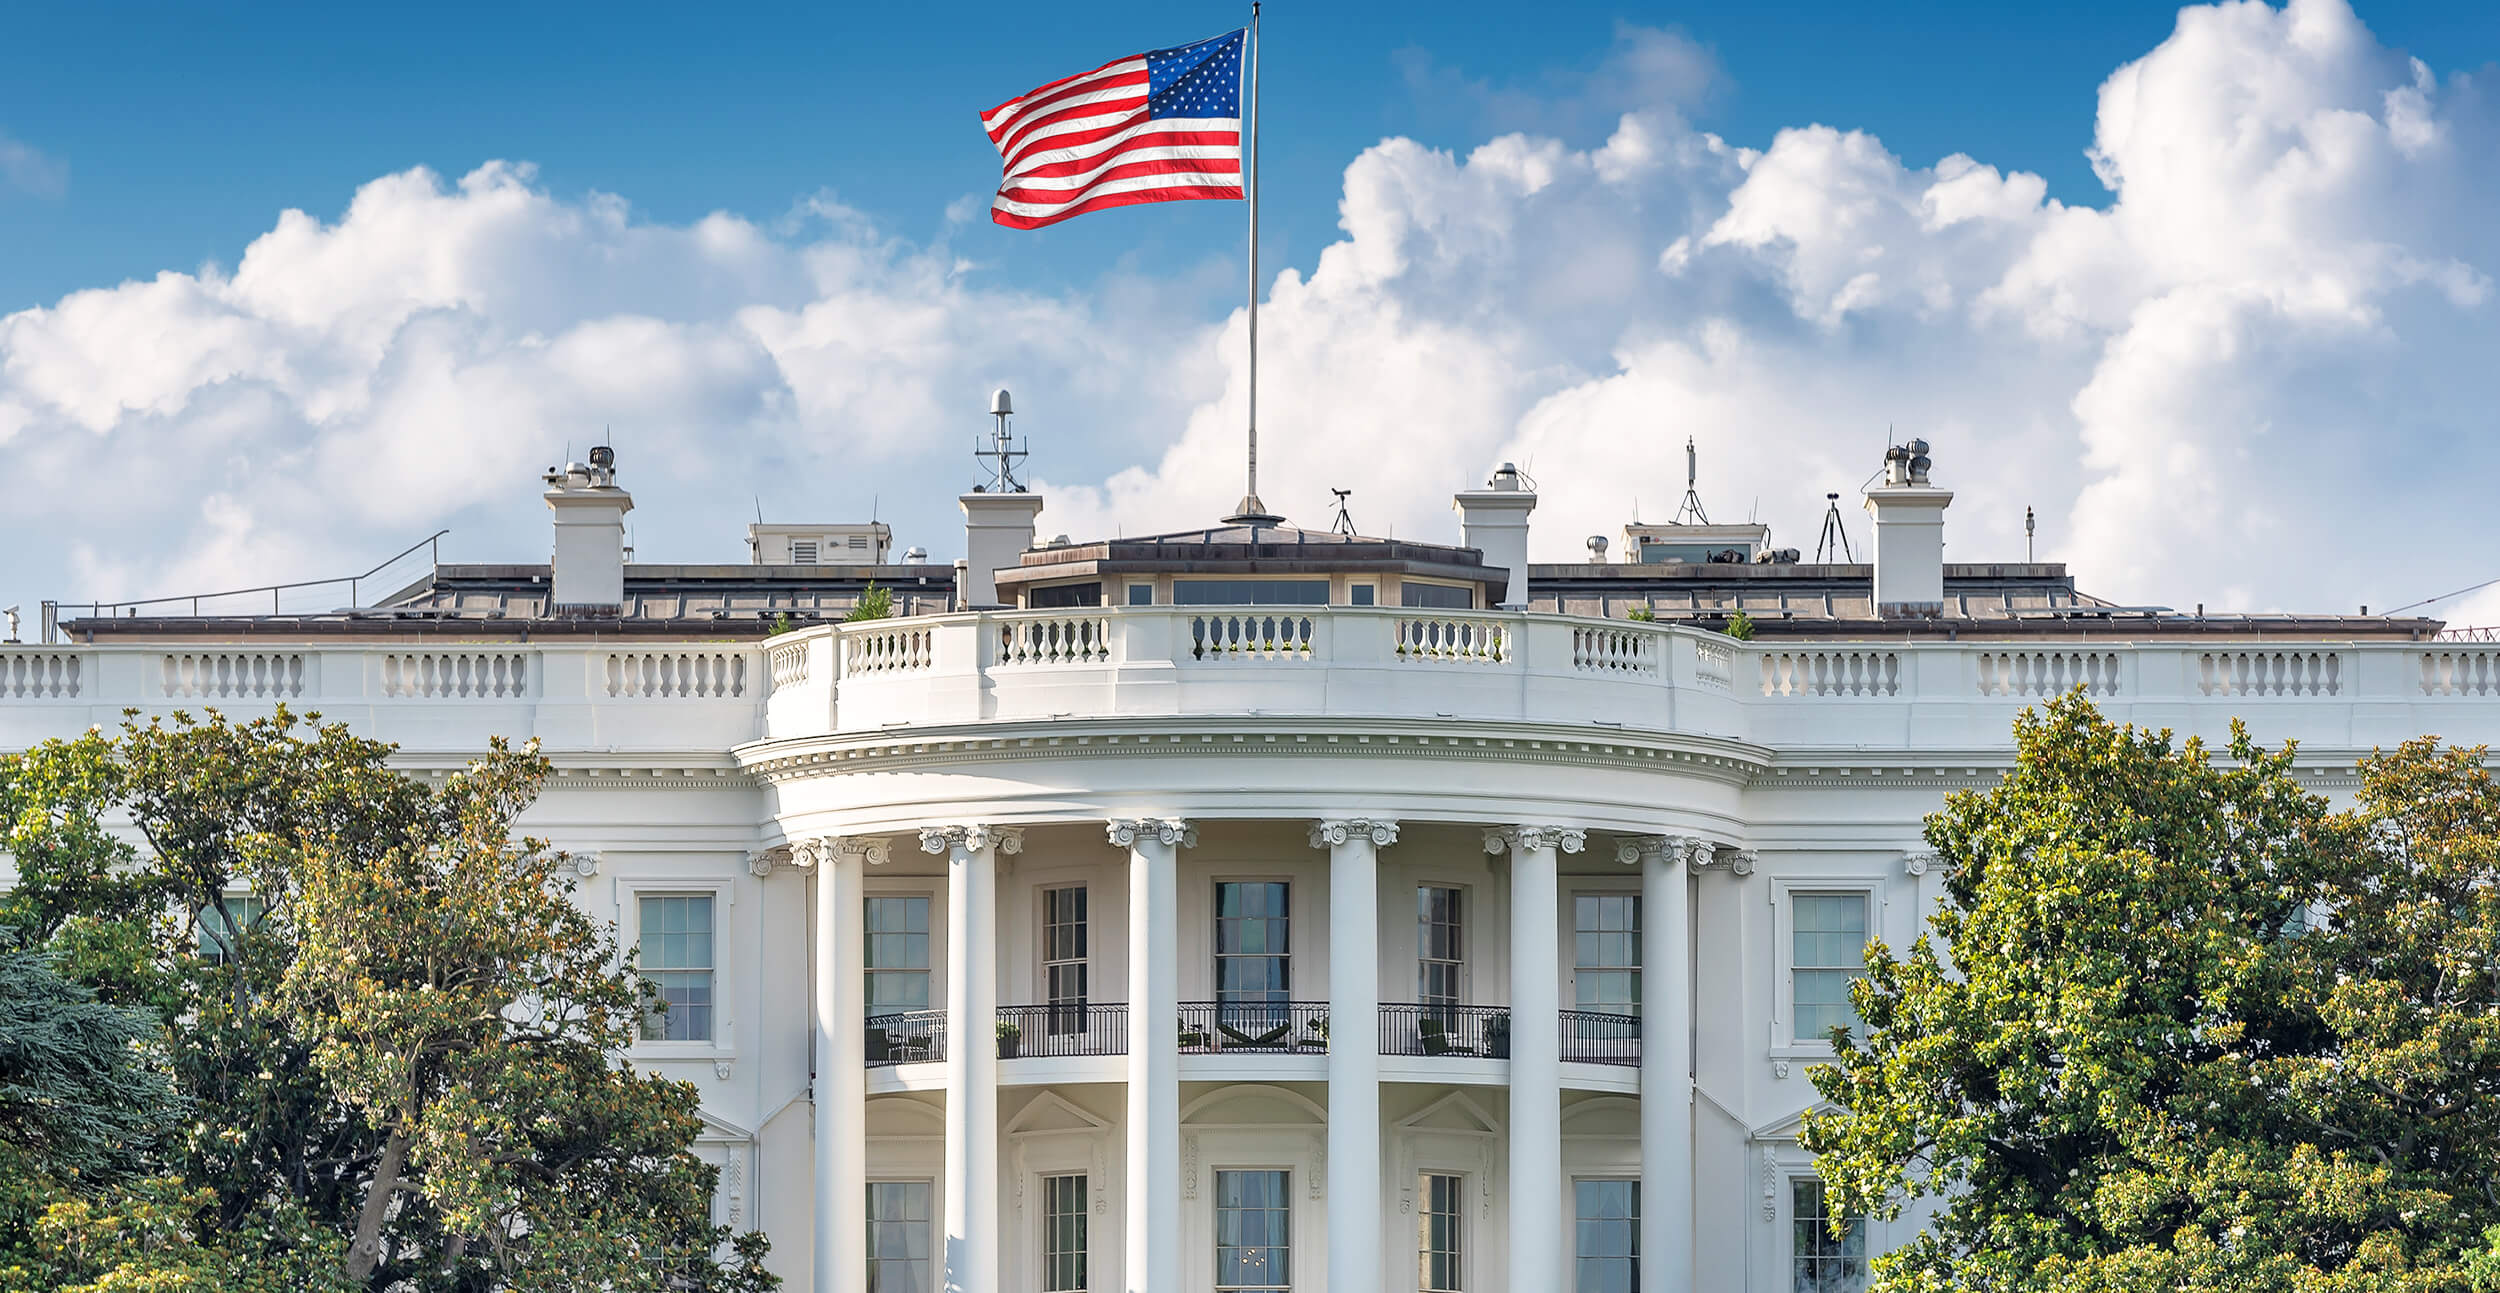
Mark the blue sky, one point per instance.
(183, 128)
(1568, 235)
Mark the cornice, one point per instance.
(1253, 736)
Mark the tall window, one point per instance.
(1063, 1234)
(1607, 1258)
(1608, 951)
(899, 1237)
(1253, 1232)
(1253, 942)
(1440, 959)
(1063, 958)
(1440, 1254)
(218, 938)
(1817, 1262)
(677, 956)
(1828, 950)
(898, 955)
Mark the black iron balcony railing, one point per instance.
(912, 1038)
(1255, 1026)
(1064, 1028)
(1601, 1037)
(1431, 1028)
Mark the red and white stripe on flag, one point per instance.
(1134, 130)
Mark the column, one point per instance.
(1152, 1235)
(1354, 1233)
(1666, 1064)
(841, 1087)
(1537, 1195)
(971, 1256)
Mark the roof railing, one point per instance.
(55, 613)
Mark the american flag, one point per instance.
(1162, 126)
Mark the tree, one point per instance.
(875, 603)
(2199, 1032)
(287, 1141)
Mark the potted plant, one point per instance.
(1497, 1036)
(1009, 1037)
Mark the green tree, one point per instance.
(2180, 1026)
(875, 603)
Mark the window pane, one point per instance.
(676, 955)
(1436, 596)
(1439, 1258)
(899, 1237)
(1250, 592)
(1063, 1233)
(1827, 952)
(1606, 942)
(1253, 1232)
(1606, 1257)
(1819, 1263)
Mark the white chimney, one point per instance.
(1909, 535)
(997, 530)
(1494, 521)
(589, 562)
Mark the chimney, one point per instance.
(589, 563)
(997, 530)
(1494, 521)
(1909, 535)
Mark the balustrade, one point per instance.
(2270, 673)
(706, 675)
(1830, 672)
(1446, 637)
(1271, 1026)
(1073, 639)
(1433, 1029)
(887, 647)
(1601, 1037)
(440, 675)
(789, 665)
(40, 675)
(913, 1037)
(2047, 673)
(1063, 1028)
(1612, 650)
(1250, 635)
(234, 675)
(2461, 673)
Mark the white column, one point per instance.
(1354, 1047)
(1537, 1195)
(841, 1090)
(1152, 1235)
(971, 1256)
(1666, 1065)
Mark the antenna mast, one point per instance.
(1003, 452)
(1835, 536)
(1250, 511)
(1691, 513)
(2031, 526)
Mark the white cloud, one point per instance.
(2259, 378)
(23, 167)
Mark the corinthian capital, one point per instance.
(1525, 838)
(1172, 832)
(1332, 831)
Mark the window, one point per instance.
(1250, 592)
(1607, 949)
(1253, 942)
(1063, 1234)
(1827, 951)
(1064, 596)
(1439, 597)
(1141, 594)
(802, 552)
(1253, 1232)
(1817, 1262)
(677, 955)
(1440, 966)
(1063, 958)
(1363, 595)
(217, 937)
(898, 955)
(898, 1237)
(1440, 1252)
(1606, 1257)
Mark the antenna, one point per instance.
(1692, 496)
(1835, 536)
(2031, 526)
(1000, 456)
(1344, 524)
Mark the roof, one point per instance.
(1249, 549)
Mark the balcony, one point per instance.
(1253, 1027)
(1601, 1037)
(1063, 1029)
(914, 1038)
(1433, 1029)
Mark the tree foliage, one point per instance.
(397, 1055)
(2182, 1026)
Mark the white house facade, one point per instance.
(1259, 909)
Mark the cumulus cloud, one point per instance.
(2258, 378)
(24, 168)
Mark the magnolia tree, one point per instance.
(396, 1061)
(2180, 1025)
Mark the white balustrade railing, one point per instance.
(1056, 639)
(1790, 672)
(886, 646)
(1251, 635)
(1714, 665)
(1606, 649)
(2270, 673)
(2032, 672)
(453, 675)
(40, 675)
(694, 675)
(2460, 673)
(1451, 637)
(233, 675)
(789, 665)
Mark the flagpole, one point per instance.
(1252, 511)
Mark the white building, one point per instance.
(1258, 908)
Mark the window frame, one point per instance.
(710, 968)
(1791, 1180)
(1086, 1187)
(937, 1208)
(1571, 1213)
(1215, 943)
(1571, 944)
(727, 968)
(1461, 976)
(208, 951)
(1461, 1251)
(936, 942)
(1294, 1243)
(1083, 962)
(1784, 1042)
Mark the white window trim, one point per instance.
(1569, 933)
(1071, 1152)
(1783, 1165)
(932, 889)
(1469, 944)
(1784, 1043)
(1309, 1254)
(937, 1210)
(1293, 927)
(725, 968)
